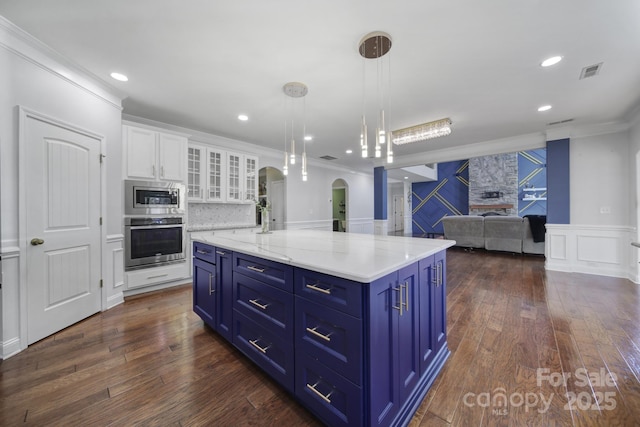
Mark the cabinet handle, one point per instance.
(439, 271)
(153, 170)
(254, 343)
(400, 304)
(318, 334)
(316, 288)
(200, 251)
(320, 395)
(221, 253)
(211, 290)
(157, 276)
(406, 296)
(162, 171)
(202, 193)
(257, 304)
(253, 268)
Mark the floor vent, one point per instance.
(327, 157)
(559, 122)
(590, 71)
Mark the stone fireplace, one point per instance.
(493, 184)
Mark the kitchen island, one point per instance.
(353, 325)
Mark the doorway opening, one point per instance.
(339, 202)
(271, 190)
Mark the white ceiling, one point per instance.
(198, 64)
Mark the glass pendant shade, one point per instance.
(364, 145)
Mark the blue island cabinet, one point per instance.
(354, 354)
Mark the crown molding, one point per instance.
(20, 43)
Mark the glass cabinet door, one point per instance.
(194, 173)
(250, 178)
(234, 192)
(215, 165)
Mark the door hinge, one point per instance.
(100, 220)
(100, 282)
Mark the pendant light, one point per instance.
(285, 168)
(296, 90)
(374, 46)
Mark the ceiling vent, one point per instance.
(559, 122)
(590, 71)
(327, 157)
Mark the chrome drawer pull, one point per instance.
(401, 304)
(221, 253)
(211, 290)
(318, 334)
(316, 288)
(406, 297)
(320, 395)
(257, 304)
(200, 251)
(259, 270)
(157, 276)
(255, 344)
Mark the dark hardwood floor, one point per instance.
(529, 347)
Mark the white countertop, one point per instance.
(360, 257)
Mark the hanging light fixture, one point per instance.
(422, 132)
(374, 46)
(296, 90)
(285, 168)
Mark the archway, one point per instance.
(271, 189)
(340, 197)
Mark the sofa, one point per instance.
(493, 233)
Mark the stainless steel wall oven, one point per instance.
(152, 241)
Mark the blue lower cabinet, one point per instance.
(332, 337)
(204, 296)
(334, 399)
(354, 354)
(224, 288)
(269, 351)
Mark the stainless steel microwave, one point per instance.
(153, 198)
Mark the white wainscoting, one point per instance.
(10, 299)
(360, 225)
(592, 249)
(113, 271)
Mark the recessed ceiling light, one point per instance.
(551, 61)
(243, 117)
(120, 77)
(406, 177)
(544, 108)
(349, 151)
(308, 138)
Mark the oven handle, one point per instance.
(151, 227)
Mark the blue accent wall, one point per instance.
(432, 201)
(532, 182)
(558, 203)
(379, 193)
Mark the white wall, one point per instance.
(31, 76)
(600, 179)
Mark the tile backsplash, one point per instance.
(220, 215)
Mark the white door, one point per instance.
(62, 201)
(398, 213)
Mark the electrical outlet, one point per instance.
(605, 209)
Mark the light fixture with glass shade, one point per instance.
(296, 90)
(422, 132)
(375, 45)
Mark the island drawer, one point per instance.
(330, 336)
(271, 272)
(341, 294)
(269, 306)
(204, 252)
(334, 399)
(270, 352)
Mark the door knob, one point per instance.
(36, 241)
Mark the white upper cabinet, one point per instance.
(154, 155)
(206, 173)
(215, 175)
